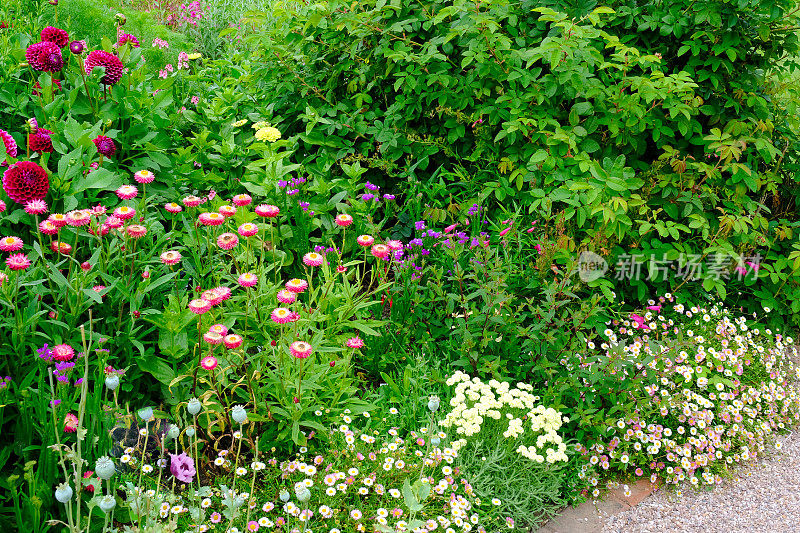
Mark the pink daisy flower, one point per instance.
(173, 207)
(18, 262)
(313, 259)
(211, 219)
(344, 220)
(381, 251)
(281, 315)
(199, 306)
(355, 342)
(212, 337)
(248, 229)
(70, 423)
(144, 176)
(209, 363)
(127, 192)
(227, 210)
(242, 200)
(124, 212)
(286, 297)
(300, 349)
(47, 227)
(63, 352)
(79, 218)
(365, 240)
(216, 295)
(219, 328)
(171, 257)
(233, 341)
(215, 518)
(394, 245)
(113, 222)
(61, 247)
(58, 220)
(99, 210)
(268, 211)
(36, 207)
(227, 241)
(248, 279)
(296, 286)
(10, 244)
(136, 231)
(98, 289)
(192, 201)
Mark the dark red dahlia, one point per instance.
(40, 141)
(25, 181)
(9, 143)
(105, 145)
(45, 56)
(55, 35)
(37, 87)
(112, 64)
(128, 38)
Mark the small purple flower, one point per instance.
(367, 197)
(414, 242)
(292, 192)
(182, 467)
(45, 353)
(388, 197)
(54, 403)
(419, 225)
(371, 186)
(282, 184)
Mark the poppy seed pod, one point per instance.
(63, 493)
(194, 406)
(104, 468)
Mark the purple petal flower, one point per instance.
(182, 467)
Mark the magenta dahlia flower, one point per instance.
(105, 145)
(45, 57)
(56, 36)
(111, 63)
(9, 143)
(25, 181)
(41, 141)
(128, 38)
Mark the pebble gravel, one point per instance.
(761, 496)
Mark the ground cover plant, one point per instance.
(286, 273)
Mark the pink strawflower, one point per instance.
(268, 211)
(227, 210)
(248, 229)
(136, 231)
(248, 279)
(99, 210)
(286, 297)
(113, 66)
(227, 241)
(86, 266)
(219, 328)
(300, 349)
(59, 220)
(381, 251)
(61, 247)
(199, 306)
(98, 289)
(281, 315)
(9, 143)
(209, 363)
(355, 342)
(115, 221)
(63, 352)
(216, 295)
(18, 262)
(365, 240)
(242, 200)
(211, 219)
(233, 341)
(344, 220)
(212, 337)
(192, 201)
(79, 217)
(341, 269)
(144, 176)
(70, 423)
(313, 259)
(171, 257)
(296, 286)
(127, 192)
(394, 245)
(10, 244)
(173, 208)
(47, 227)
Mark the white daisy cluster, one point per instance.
(475, 402)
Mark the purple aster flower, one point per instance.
(182, 467)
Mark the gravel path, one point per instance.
(763, 496)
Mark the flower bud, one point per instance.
(76, 47)
(190, 432)
(173, 432)
(112, 382)
(120, 18)
(107, 503)
(302, 492)
(238, 414)
(433, 403)
(194, 406)
(284, 495)
(63, 493)
(104, 467)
